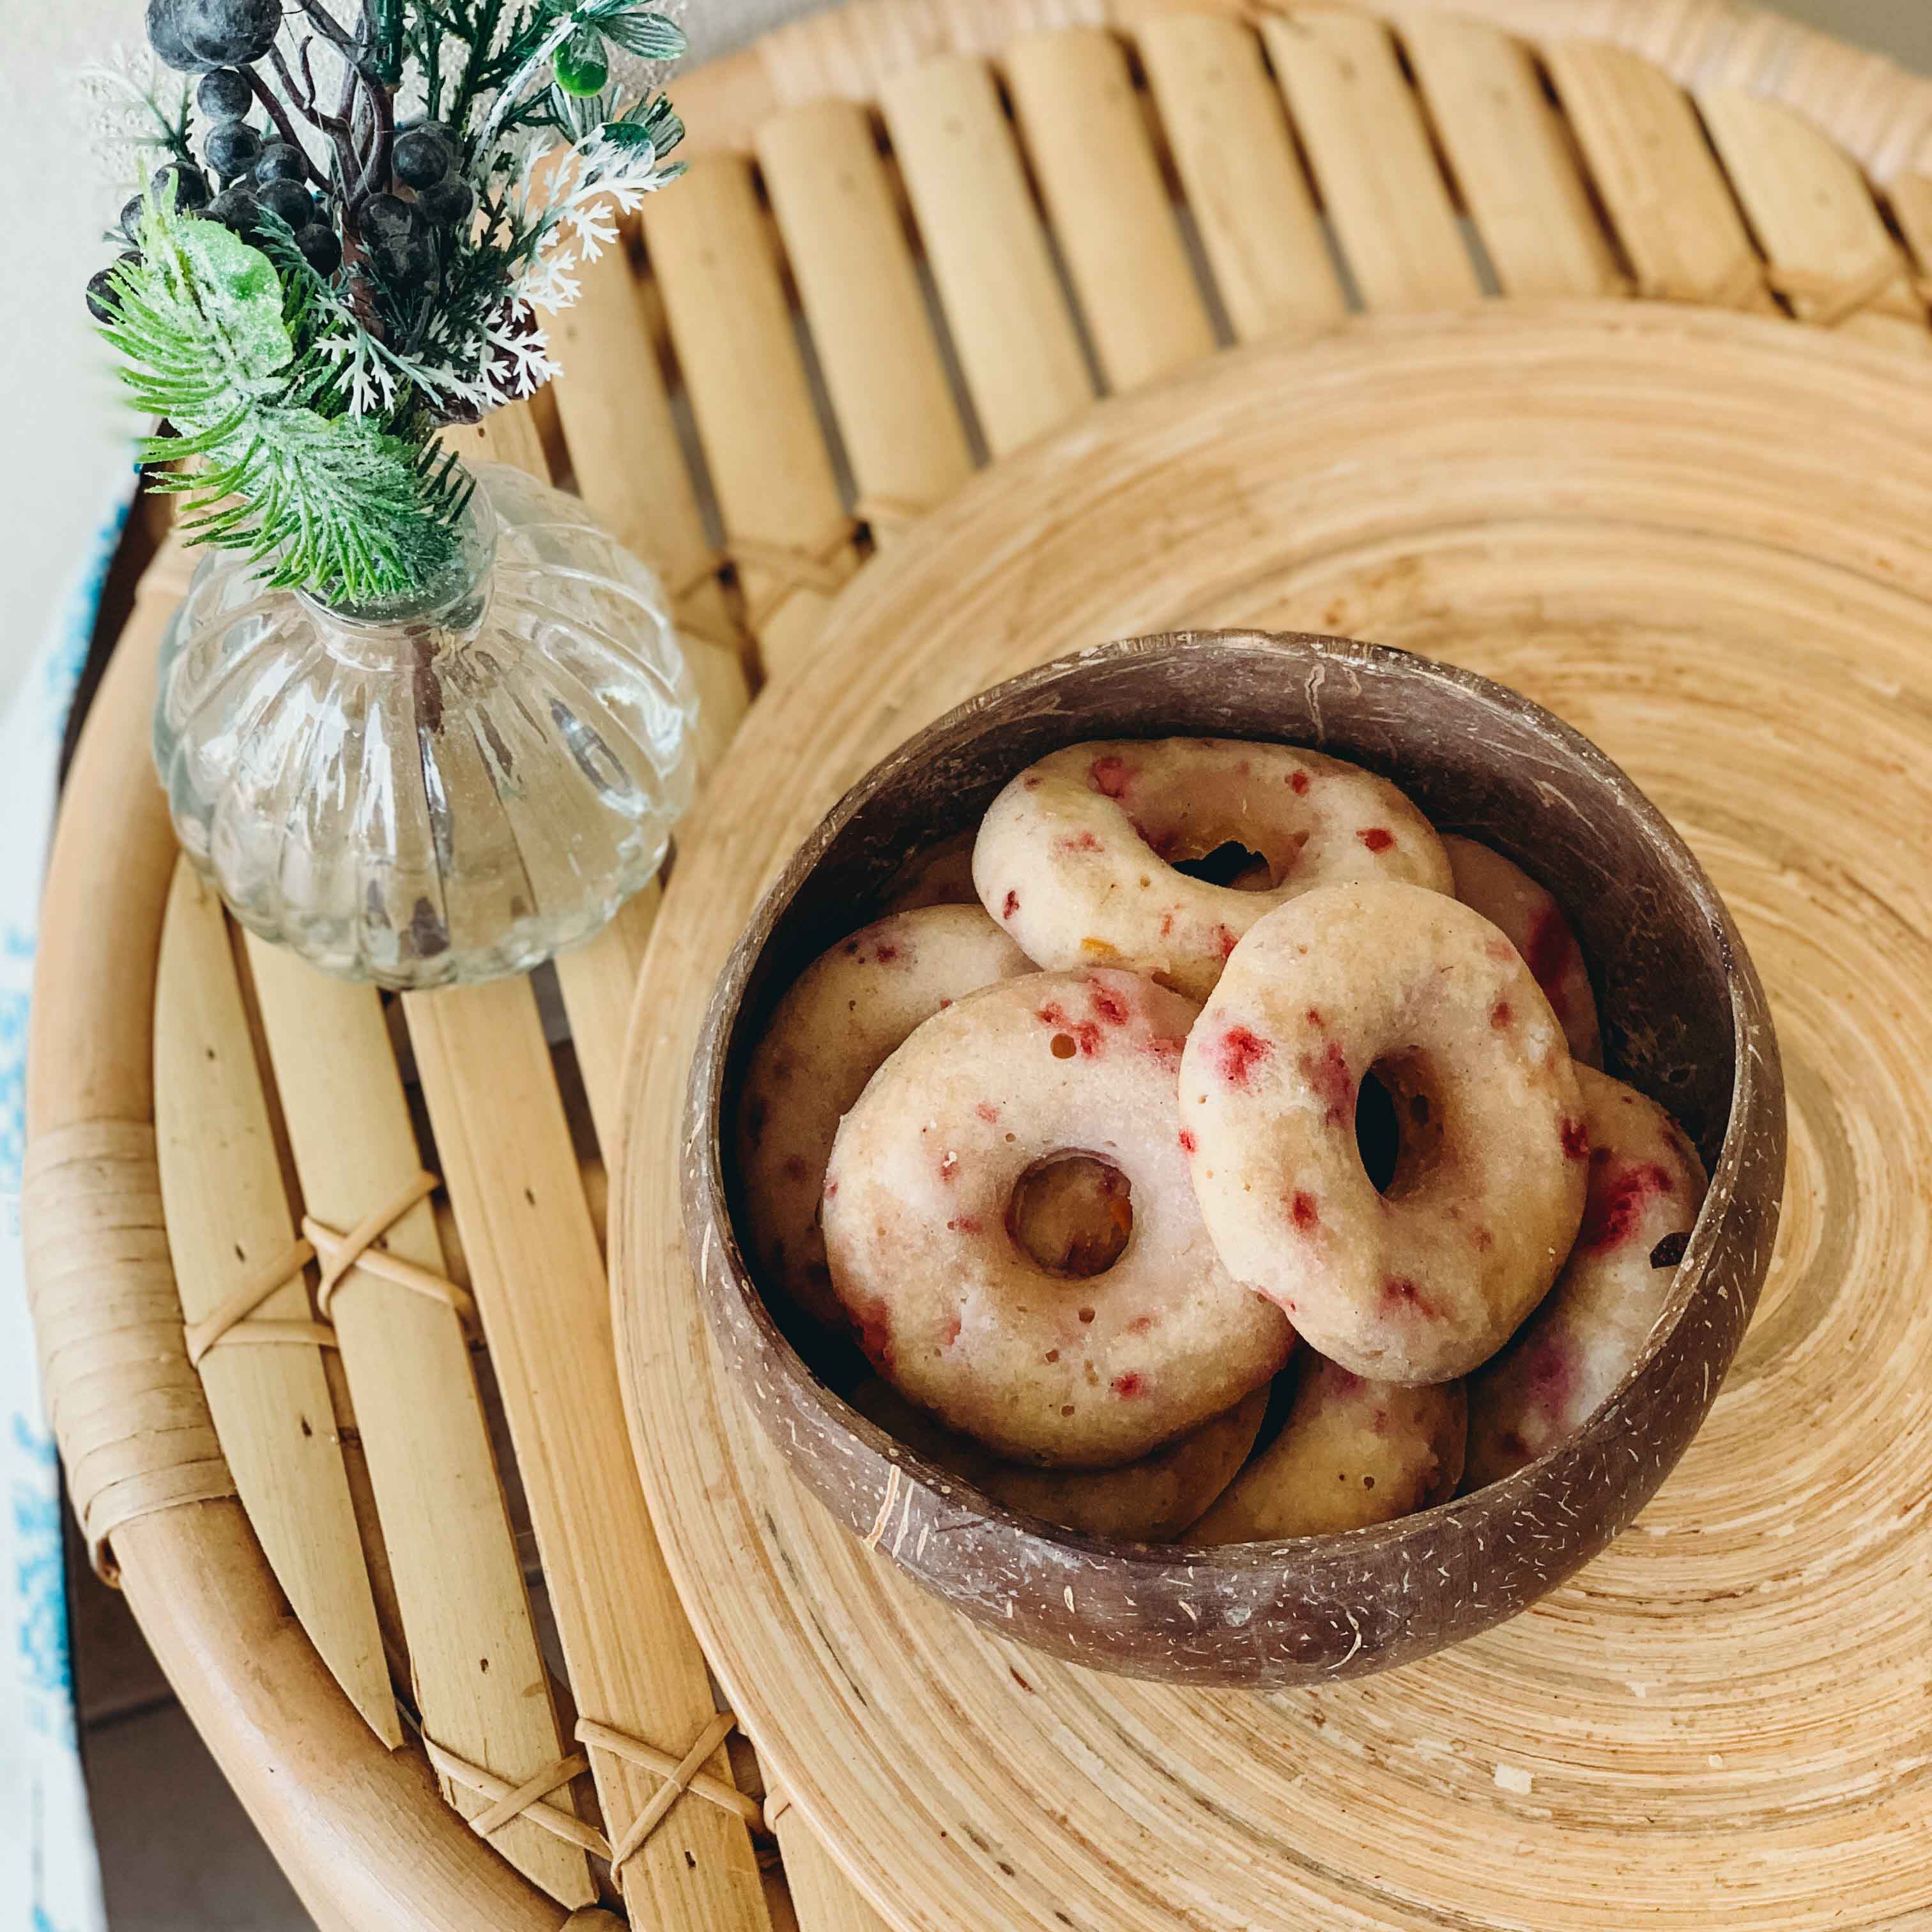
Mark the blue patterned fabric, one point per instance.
(49, 1879)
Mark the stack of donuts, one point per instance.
(1209, 1149)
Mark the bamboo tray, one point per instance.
(398, 1567)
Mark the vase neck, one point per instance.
(415, 626)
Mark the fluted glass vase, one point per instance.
(442, 791)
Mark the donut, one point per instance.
(846, 1013)
(942, 874)
(1085, 1373)
(1646, 1185)
(1154, 1500)
(1422, 1281)
(1077, 856)
(1351, 1453)
(1511, 900)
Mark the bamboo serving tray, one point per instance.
(318, 1287)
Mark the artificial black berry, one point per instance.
(131, 212)
(289, 200)
(448, 202)
(191, 187)
(192, 36)
(235, 208)
(399, 240)
(224, 94)
(103, 296)
(423, 155)
(279, 161)
(232, 148)
(320, 248)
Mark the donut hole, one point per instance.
(1239, 867)
(1072, 1214)
(1398, 1122)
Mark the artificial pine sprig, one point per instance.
(362, 279)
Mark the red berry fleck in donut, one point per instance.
(965, 1224)
(1576, 1140)
(1297, 783)
(1140, 1324)
(1303, 1210)
(1080, 842)
(1616, 1202)
(1377, 838)
(1012, 905)
(831, 1189)
(1501, 1015)
(987, 1112)
(1110, 1006)
(1188, 1142)
(1548, 952)
(1225, 940)
(1110, 776)
(948, 1165)
(1500, 950)
(952, 1334)
(1166, 925)
(1242, 1050)
(1399, 1291)
(1327, 1073)
(1550, 1371)
(874, 1326)
(1315, 1018)
(1127, 1385)
(884, 954)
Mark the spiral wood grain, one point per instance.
(1707, 541)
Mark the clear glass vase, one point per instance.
(443, 791)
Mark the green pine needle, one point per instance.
(220, 347)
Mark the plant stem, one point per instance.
(283, 127)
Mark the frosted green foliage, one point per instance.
(218, 344)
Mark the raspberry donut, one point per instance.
(1076, 858)
(1152, 1501)
(1422, 1281)
(940, 875)
(1533, 923)
(1351, 1454)
(848, 1011)
(1646, 1185)
(1084, 1373)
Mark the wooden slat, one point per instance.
(1370, 148)
(1094, 161)
(629, 467)
(538, 1279)
(826, 1899)
(510, 435)
(480, 1682)
(1236, 159)
(1816, 220)
(711, 252)
(859, 289)
(1017, 348)
(229, 1218)
(1661, 185)
(1517, 172)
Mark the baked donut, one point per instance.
(1421, 1281)
(1351, 1453)
(1152, 1501)
(846, 1013)
(1511, 900)
(1076, 856)
(1081, 1373)
(1646, 1185)
(942, 874)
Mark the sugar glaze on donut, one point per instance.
(1076, 856)
(1646, 1186)
(1424, 1281)
(845, 1013)
(1087, 1372)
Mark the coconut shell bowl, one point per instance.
(1685, 1021)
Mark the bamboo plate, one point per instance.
(1707, 541)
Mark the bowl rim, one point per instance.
(1756, 1089)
